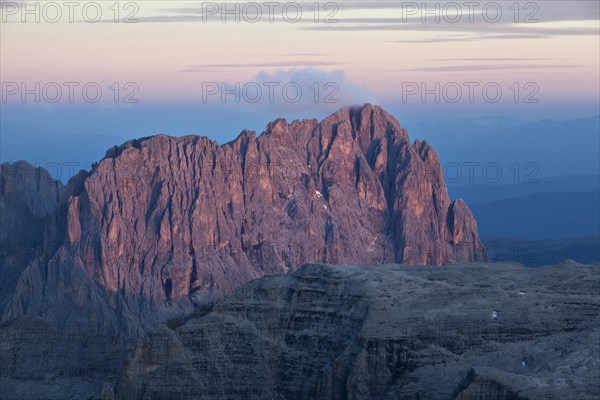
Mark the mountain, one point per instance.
(29, 197)
(546, 215)
(535, 253)
(522, 150)
(162, 224)
(383, 332)
(488, 192)
(538, 223)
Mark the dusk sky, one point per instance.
(175, 57)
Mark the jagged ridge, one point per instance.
(163, 223)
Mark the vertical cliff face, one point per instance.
(163, 223)
(29, 197)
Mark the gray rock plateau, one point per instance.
(384, 332)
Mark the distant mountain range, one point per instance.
(546, 215)
(538, 223)
(535, 253)
(486, 192)
(556, 148)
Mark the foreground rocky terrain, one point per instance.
(384, 332)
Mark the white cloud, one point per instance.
(306, 91)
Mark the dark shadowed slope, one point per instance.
(29, 197)
(384, 332)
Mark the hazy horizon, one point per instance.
(173, 67)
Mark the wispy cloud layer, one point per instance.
(274, 64)
(304, 91)
(488, 67)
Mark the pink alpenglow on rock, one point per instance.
(176, 222)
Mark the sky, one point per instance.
(78, 77)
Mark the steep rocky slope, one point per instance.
(384, 332)
(29, 197)
(44, 359)
(162, 223)
(39, 362)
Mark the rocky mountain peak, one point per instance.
(164, 223)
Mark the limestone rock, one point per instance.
(162, 224)
(383, 332)
(29, 196)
